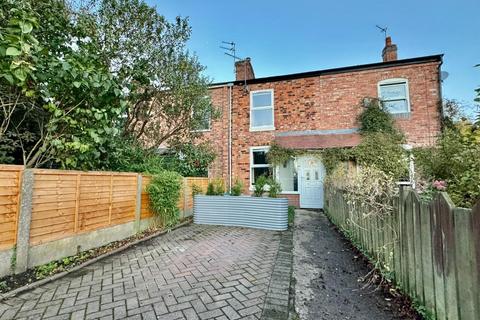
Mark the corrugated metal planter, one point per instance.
(243, 211)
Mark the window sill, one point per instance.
(204, 130)
(290, 192)
(262, 129)
(402, 115)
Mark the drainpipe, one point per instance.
(230, 104)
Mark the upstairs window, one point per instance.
(261, 110)
(394, 95)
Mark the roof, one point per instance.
(362, 67)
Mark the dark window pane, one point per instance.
(259, 157)
(257, 172)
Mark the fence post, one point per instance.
(185, 198)
(24, 220)
(138, 203)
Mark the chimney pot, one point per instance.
(389, 53)
(244, 70)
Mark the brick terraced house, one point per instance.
(316, 110)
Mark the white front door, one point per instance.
(312, 174)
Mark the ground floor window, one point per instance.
(259, 165)
(287, 176)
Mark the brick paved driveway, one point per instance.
(195, 272)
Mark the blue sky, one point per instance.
(285, 37)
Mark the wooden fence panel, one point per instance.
(94, 201)
(145, 211)
(200, 182)
(53, 206)
(432, 248)
(70, 202)
(124, 195)
(10, 184)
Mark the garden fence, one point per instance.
(432, 250)
(39, 206)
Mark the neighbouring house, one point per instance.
(316, 110)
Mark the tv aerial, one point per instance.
(383, 30)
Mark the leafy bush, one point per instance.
(210, 189)
(196, 190)
(259, 186)
(369, 191)
(274, 188)
(384, 152)
(374, 118)
(237, 188)
(129, 155)
(455, 160)
(216, 187)
(164, 194)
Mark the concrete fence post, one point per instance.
(138, 203)
(24, 220)
(185, 197)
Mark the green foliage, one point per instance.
(164, 194)
(374, 118)
(128, 155)
(78, 83)
(278, 155)
(383, 152)
(196, 190)
(46, 270)
(216, 187)
(3, 286)
(147, 54)
(260, 186)
(237, 188)
(69, 99)
(188, 159)
(455, 160)
(332, 157)
(274, 188)
(210, 189)
(291, 214)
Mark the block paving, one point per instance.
(195, 272)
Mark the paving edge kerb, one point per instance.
(277, 302)
(39, 283)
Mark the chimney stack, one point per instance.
(389, 53)
(244, 70)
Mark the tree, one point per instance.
(70, 101)
(162, 82)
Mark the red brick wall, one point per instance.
(293, 199)
(322, 103)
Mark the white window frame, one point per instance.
(395, 81)
(252, 165)
(277, 178)
(262, 128)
